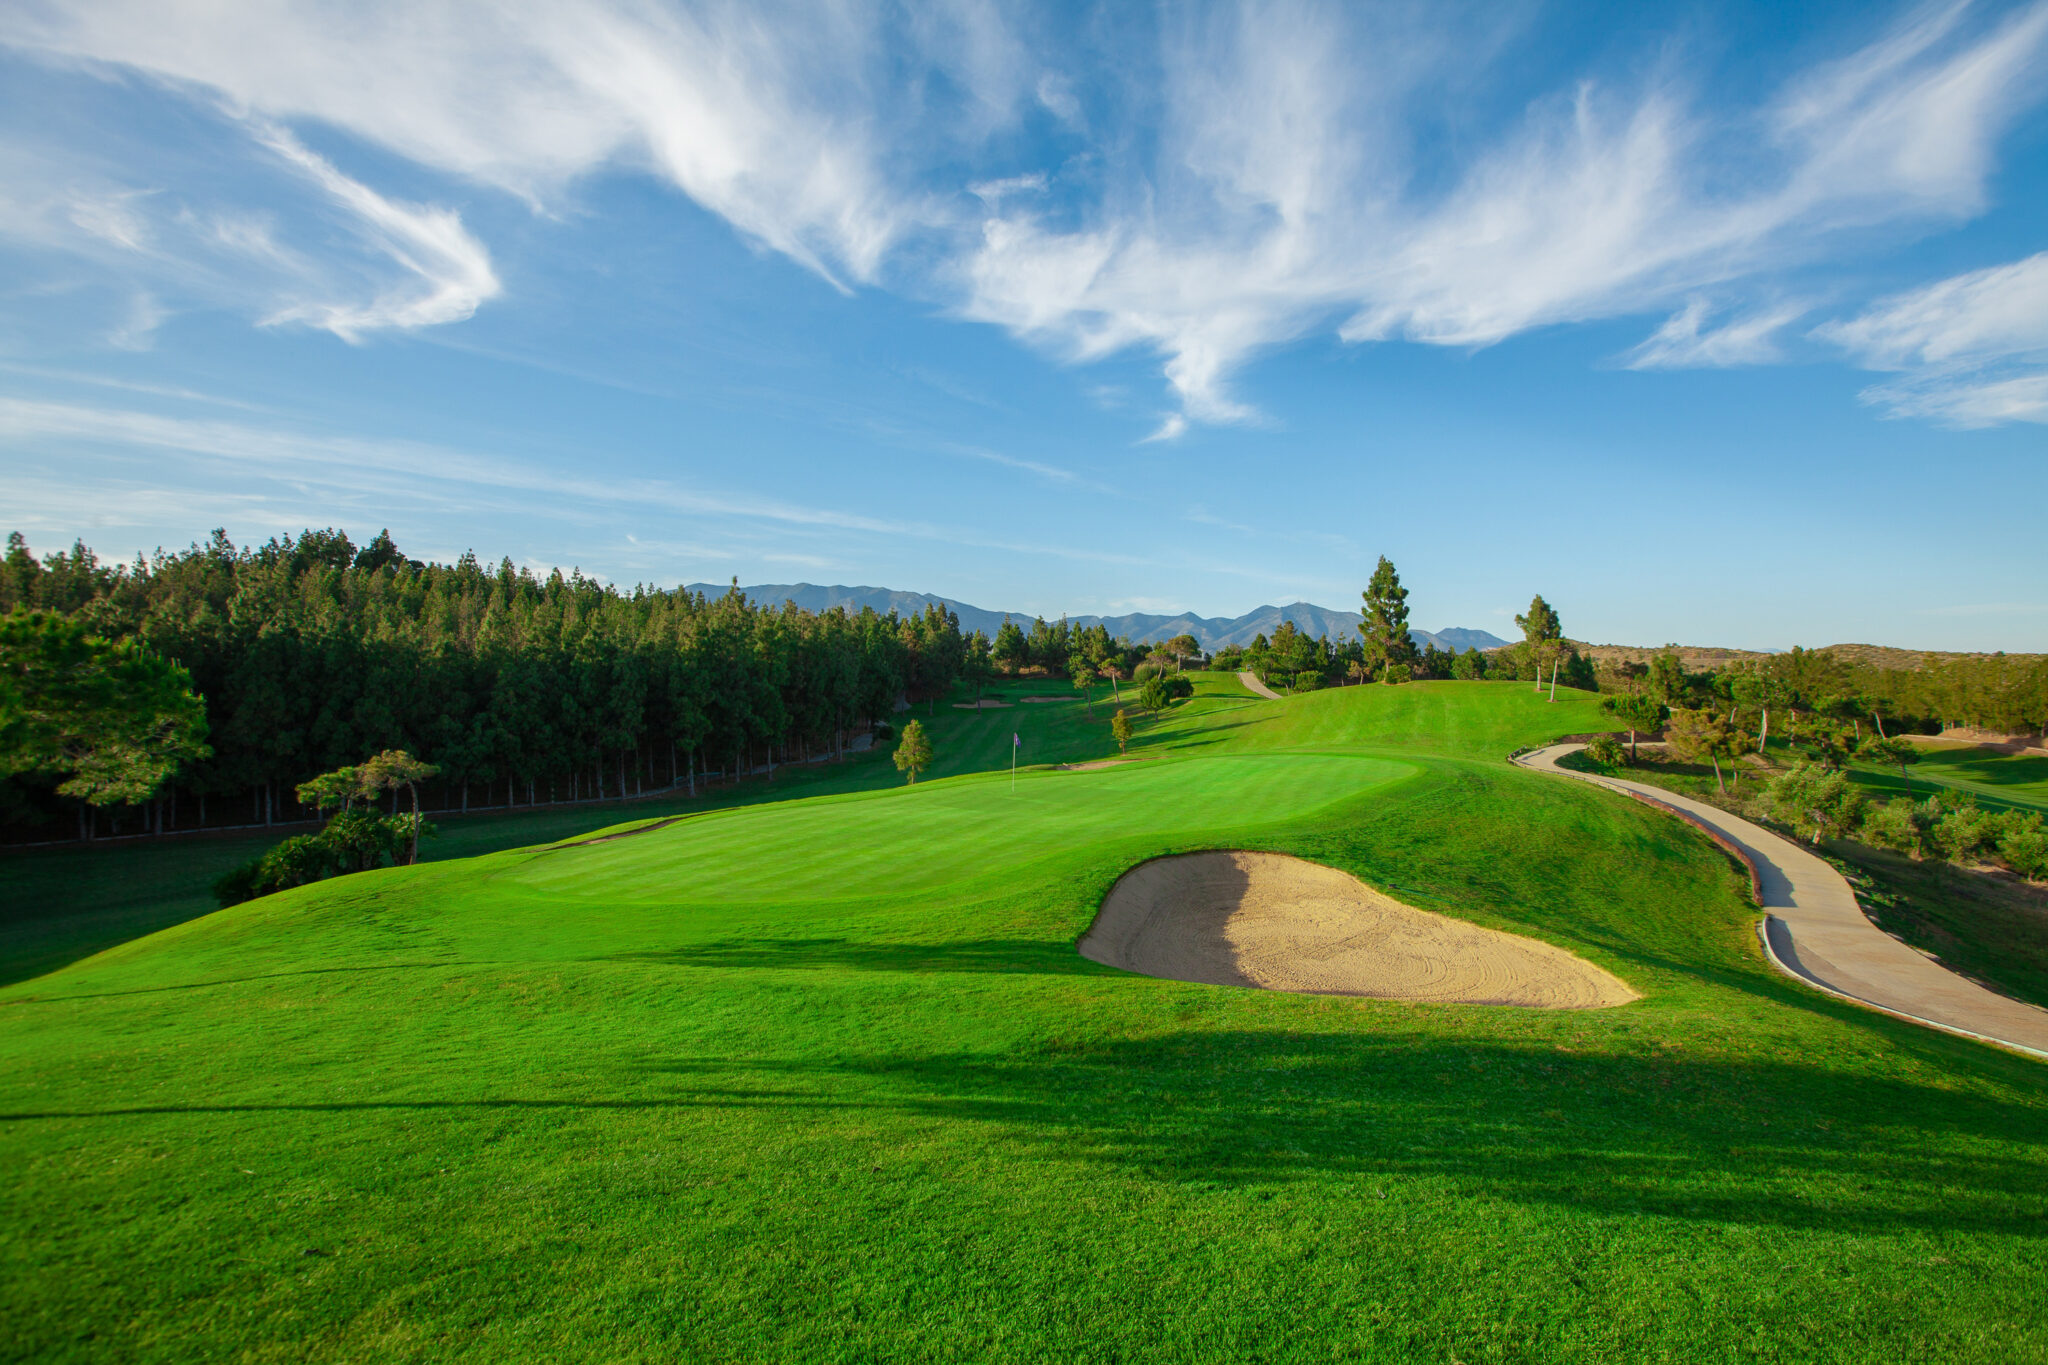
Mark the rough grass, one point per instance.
(825, 1080)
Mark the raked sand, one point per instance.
(1281, 924)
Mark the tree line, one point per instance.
(311, 652)
(304, 654)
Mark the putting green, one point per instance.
(826, 1079)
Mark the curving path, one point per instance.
(1258, 689)
(1814, 930)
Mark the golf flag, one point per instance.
(1016, 740)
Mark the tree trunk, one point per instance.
(1716, 759)
(414, 856)
(1553, 680)
(1878, 721)
(1765, 737)
(1631, 745)
(693, 772)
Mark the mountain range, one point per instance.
(1212, 632)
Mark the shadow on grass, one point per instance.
(1773, 1143)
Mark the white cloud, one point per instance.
(1983, 315)
(1685, 342)
(1287, 190)
(451, 269)
(1968, 399)
(766, 119)
(1972, 350)
(1172, 428)
(110, 217)
(404, 472)
(1252, 176)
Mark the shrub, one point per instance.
(353, 841)
(1607, 751)
(1396, 673)
(1146, 671)
(1893, 825)
(1307, 682)
(1961, 835)
(1816, 803)
(2024, 846)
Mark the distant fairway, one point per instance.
(825, 1079)
(2015, 781)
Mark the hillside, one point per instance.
(1885, 656)
(826, 1079)
(1211, 632)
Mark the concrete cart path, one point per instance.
(1259, 689)
(1814, 930)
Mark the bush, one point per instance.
(1396, 673)
(1961, 835)
(1607, 751)
(1228, 659)
(1308, 682)
(1146, 671)
(2024, 846)
(1816, 803)
(353, 841)
(1894, 825)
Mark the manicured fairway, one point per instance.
(2017, 781)
(825, 1080)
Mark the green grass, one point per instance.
(824, 1079)
(1998, 781)
(74, 900)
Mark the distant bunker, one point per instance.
(1281, 924)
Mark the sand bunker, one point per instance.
(980, 705)
(1281, 924)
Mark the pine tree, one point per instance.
(1543, 633)
(914, 752)
(1120, 730)
(1385, 627)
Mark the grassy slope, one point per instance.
(75, 900)
(826, 1080)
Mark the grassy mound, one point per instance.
(825, 1079)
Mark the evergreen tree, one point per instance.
(1385, 627)
(1120, 730)
(112, 720)
(914, 752)
(1543, 633)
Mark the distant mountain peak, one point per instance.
(1212, 632)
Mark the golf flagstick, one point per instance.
(1016, 743)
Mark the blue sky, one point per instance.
(1719, 324)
